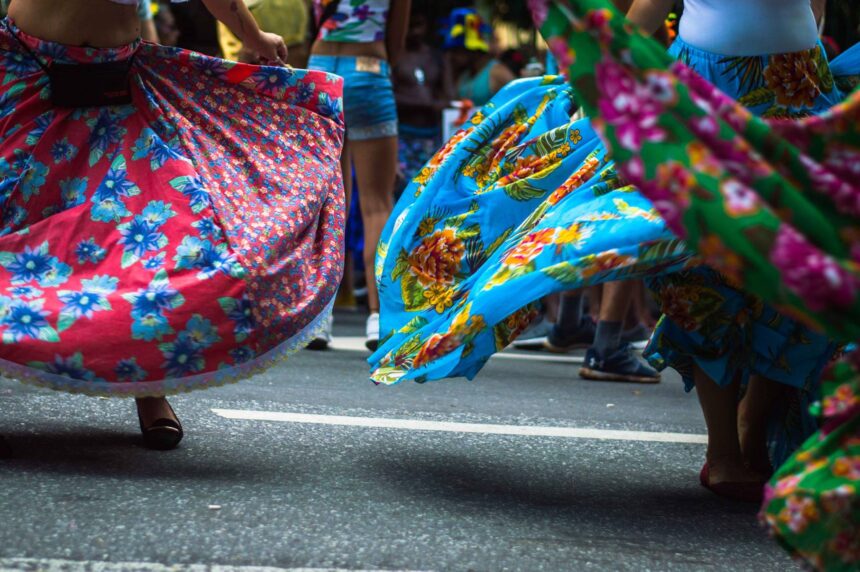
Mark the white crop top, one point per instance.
(136, 2)
(749, 27)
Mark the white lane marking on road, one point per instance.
(356, 344)
(453, 427)
(57, 565)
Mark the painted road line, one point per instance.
(452, 427)
(57, 565)
(356, 344)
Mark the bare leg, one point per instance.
(345, 295)
(753, 413)
(720, 408)
(375, 163)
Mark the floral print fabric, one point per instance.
(521, 203)
(796, 245)
(182, 241)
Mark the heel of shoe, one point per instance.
(163, 434)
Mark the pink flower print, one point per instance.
(598, 20)
(669, 192)
(628, 106)
(740, 199)
(814, 276)
(844, 194)
(539, 10)
(786, 486)
(840, 402)
(798, 513)
(661, 87)
(562, 52)
(838, 500)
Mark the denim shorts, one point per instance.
(368, 97)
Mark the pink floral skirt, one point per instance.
(188, 239)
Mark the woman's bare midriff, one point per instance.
(357, 49)
(95, 23)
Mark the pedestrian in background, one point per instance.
(359, 40)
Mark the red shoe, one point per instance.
(744, 492)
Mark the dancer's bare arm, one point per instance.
(650, 14)
(236, 16)
(398, 25)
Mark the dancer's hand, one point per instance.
(270, 47)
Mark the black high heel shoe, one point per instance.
(163, 434)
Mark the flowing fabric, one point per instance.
(797, 244)
(179, 242)
(521, 203)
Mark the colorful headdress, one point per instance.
(466, 29)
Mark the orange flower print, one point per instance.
(847, 467)
(437, 346)
(437, 259)
(841, 401)
(517, 322)
(439, 297)
(605, 261)
(529, 248)
(574, 235)
(581, 175)
(798, 513)
(794, 78)
(730, 265)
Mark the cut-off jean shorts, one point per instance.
(368, 97)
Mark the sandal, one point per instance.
(163, 434)
(739, 491)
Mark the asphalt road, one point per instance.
(333, 493)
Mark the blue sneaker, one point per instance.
(618, 365)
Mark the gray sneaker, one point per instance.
(534, 337)
(323, 339)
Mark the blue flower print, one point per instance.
(305, 92)
(271, 80)
(105, 131)
(150, 327)
(159, 152)
(154, 262)
(35, 264)
(212, 66)
(127, 370)
(40, 125)
(63, 151)
(207, 228)
(88, 251)
(193, 188)
(107, 198)
(156, 298)
(16, 65)
(24, 291)
(200, 331)
(193, 253)
(33, 179)
(242, 354)
(84, 304)
(182, 357)
(27, 319)
(13, 217)
(72, 366)
(238, 311)
(73, 191)
(139, 237)
(158, 212)
(330, 106)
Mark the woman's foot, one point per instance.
(372, 331)
(159, 425)
(732, 479)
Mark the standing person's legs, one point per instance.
(608, 359)
(375, 162)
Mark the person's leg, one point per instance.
(760, 399)
(720, 408)
(375, 162)
(609, 359)
(572, 330)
